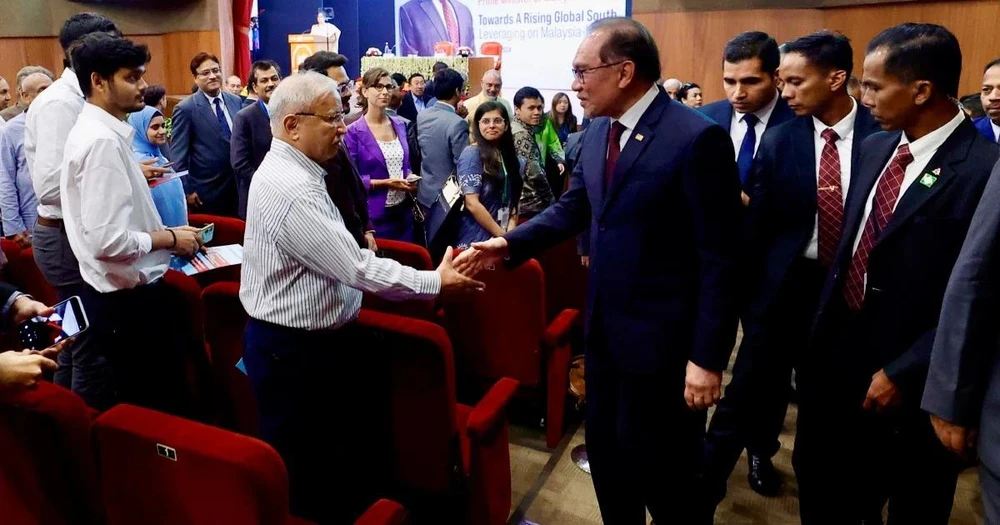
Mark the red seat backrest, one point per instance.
(161, 469)
(187, 309)
(422, 382)
(407, 254)
(25, 273)
(48, 474)
(228, 230)
(226, 319)
(565, 278)
(499, 333)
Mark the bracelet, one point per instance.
(174, 235)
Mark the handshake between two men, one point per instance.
(702, 387)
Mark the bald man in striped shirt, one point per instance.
(302, 282)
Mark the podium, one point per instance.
(303, 46)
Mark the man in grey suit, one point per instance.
(423, 23)
(962, 392)
(442, 136)
(202, 129)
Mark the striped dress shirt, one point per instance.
(302, 268)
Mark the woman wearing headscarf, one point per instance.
(150, 135)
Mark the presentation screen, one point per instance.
(539, 37)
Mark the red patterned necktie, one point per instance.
(881, 213)
(449, 22)
(614, 150)
(829, 199)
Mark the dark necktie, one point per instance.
(829, 199)
(882, 209)
(745, 159)
(614, 150)
(228, 133)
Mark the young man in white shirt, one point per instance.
(115, 232)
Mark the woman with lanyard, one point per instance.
(489, 173)
(168, 193)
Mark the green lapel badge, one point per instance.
(929, 179)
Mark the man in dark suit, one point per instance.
(749, 68)
(862, 438)
(202, 132)
(802, 176)
(962, 392)
(989, 125)
(423, 23)
(417, 99)
(659, 330)
(252, 130)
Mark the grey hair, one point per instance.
(297, 93)
(492, 73)
(27, 71)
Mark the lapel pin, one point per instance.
(936, 172)
(929, 179)
(639, 137)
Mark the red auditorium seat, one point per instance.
(25, 274)
(226, 320)
(383, 512)
(408, 254)
(161, 469)
(504, 333)
(228, 230)
(434, 438)
(565, 279)
(188, 308)
(48, 474)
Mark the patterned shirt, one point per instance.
(302, 268)
(536, 194)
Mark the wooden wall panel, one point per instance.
(39, 18)
(691, 43)
(171, 55)
(974, 23)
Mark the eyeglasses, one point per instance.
(580, 74)
(329, 119)
(383, 87)
(207, 72)
(347, 87)
(496, 121)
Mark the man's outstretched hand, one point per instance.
(454, 282)
(481, 255)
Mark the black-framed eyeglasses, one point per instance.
(580, 74)
(384, 87)
(329, 119)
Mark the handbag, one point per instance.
(444, 218)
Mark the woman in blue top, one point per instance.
(489, 173)
(150, 134)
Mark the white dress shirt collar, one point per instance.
(630, 119)
(763, 114)
(926, 146)
(211, 99)
(120, 127)
(844, 128)
(996, 131)
(74, 82)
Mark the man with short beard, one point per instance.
(989, 126)
(252, 130)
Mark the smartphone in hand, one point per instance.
(207, 233)
(68, 320)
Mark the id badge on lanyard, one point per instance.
(503, 214)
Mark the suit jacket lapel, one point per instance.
(234, 106)
(942, 166)
(804, 151)
(641, 136)
(436, 21)
(594, 158)
(205, 110)
(861, 187)
(370, 148)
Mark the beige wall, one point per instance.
(691, 42)
(36, 18)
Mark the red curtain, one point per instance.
(241, 37)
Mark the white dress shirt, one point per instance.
(738, 128)
(440, 9)
(630, 119)
(108, 210)
(845, 146)
(301, 267)
(996, 131)
(222, 104)
(922, 150)
(52, 115)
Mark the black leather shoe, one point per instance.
(763, 478)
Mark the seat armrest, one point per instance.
(489, 411)
(557, 333)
